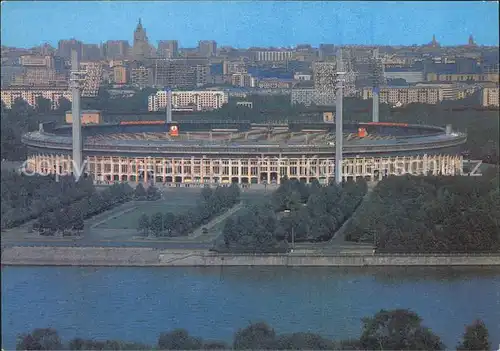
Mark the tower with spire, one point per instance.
(141, 47)
(471, 41)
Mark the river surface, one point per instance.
(138, 304)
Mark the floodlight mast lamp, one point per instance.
(376, 86)
(339, 118)
(76, 79)
(168, 108)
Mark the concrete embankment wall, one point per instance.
(101, 256)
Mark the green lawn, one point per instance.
(174, 200)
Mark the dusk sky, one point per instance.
(256, 23)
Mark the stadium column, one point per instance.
(75, 112)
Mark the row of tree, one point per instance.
(70, 217)
(27, 197)
(212, 204)
(431, 215)
(150, 194)
(296, 212)
(386, 330)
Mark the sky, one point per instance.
(243, 24)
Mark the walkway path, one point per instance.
(339, 236)
(209, 226)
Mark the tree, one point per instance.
(64, 104)
(178, 339)
(43, 105)
(257, 336)
(397, 330)
(303, 341)
(143, 224)
(156, 224)
(152, 193)
(206, 194)
(475, 337)
(140, 192)
(40, 339)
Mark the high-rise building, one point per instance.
(324, 75)
(64, 48)
(176, 73)
(141, 49)
(141, 77)
(116, 49)
(168, 48)
(207, 48)
(91, 52)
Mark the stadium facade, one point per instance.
(240, 152)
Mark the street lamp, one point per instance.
(293, 232)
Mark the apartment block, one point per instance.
(244, 80)
(276, 83)
(306, 97)
(229, 67)
(120, 74)
(46, 61)
(141, 77)
(168, 48)
(274, 56)
(31, 94)
(490, 97)
(459, 77)
(403, 96)
(93, 78)
(201, 100)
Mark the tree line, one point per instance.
(398, 329)
(297, 212)
(69, 217)
(27, 197)
(212, 203)
(431, 215)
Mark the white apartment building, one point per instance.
(30, 95)
(302, 76)
(201, 100)
(275, 56)
(490, 97)
(403, 96)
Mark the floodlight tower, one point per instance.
(376, 85)
(76, 79)
(338, 118)
(168, 108)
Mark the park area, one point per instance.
(178, 201)
(175, 200)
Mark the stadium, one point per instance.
(191, 153)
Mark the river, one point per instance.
(138, 303)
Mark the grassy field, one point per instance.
(175, 200)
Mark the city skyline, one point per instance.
(244, 23)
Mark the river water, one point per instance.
(138, 303)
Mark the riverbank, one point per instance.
(151, 257)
